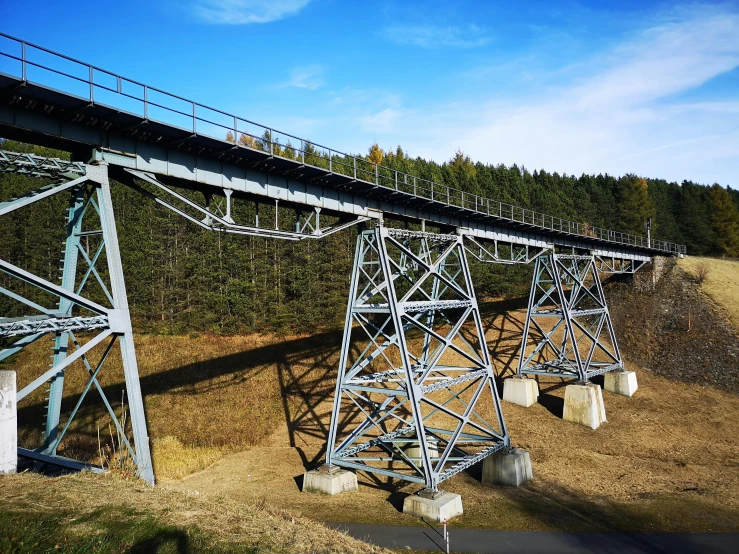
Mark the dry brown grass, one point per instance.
(721, 282)
(256, 523)
(668, 459)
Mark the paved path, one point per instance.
(545, 542)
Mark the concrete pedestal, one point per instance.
(433, 508)
(621, 382)
(415, 451)
(520, 390)
(584, 405)
(8, 423)
(329, 480)
(509, 467)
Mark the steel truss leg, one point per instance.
(568, 331)
(76, 313)
(415, 386)
(61, 341)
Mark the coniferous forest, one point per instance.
(181, 278)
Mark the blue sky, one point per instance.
(611, 86)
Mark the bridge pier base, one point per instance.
(329, 480)
(8, 423)
(510, 467)
(621, 382)
(520, 390)
(434, 507)
(584, 405)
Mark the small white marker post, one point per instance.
(446, 537)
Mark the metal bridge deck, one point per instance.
(185, 143)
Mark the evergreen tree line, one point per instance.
(182, 278)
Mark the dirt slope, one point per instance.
(721, 283)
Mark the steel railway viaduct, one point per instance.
(415, 395)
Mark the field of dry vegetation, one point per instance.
(241, 418)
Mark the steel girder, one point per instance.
(501, 252)
(568, 331)
(74, 314)
(215, 214)
(618, 265)
(415, 387)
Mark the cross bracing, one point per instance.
(415, 393)
(568, 330)
(86, 312)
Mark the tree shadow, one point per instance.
(163, 540)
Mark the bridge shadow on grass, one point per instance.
(305, 371)
(562, 509)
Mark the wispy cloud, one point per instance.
(241, 12)
(623, 112)
(434, 36)
(307, 76)
(381, 122)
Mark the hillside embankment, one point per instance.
(239, 419)
(680, 328)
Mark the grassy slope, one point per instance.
(101, 514)
(721, 284)
(254, 412)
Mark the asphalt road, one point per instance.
(544, 542)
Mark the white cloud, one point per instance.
(381, 122)
(619, 114)
(239, 12)
(431, 36)
(308, 77)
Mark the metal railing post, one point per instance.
(23, 60)
(92, 93)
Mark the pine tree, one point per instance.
(725, 221)
(375, 154)
(635, 206)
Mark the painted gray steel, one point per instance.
(153, 131)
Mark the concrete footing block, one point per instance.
(520, 390)
(621, 382)
(8, 423)
(510, 467)
(584, 405)
(414, 452)
(329, 480)
(434, 508)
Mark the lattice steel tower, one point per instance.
(415, 389)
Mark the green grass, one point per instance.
(105, 530)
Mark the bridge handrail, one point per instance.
(357, 168)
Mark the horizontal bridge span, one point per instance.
(144, 134)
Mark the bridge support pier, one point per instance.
(569, 334)
(329, 480)
(510, 467)
(85, 330)
(621, 382)
(415, 387)
(584, 405)
(8, 423)
(568, 331)
(520, 390)
(434, 507)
